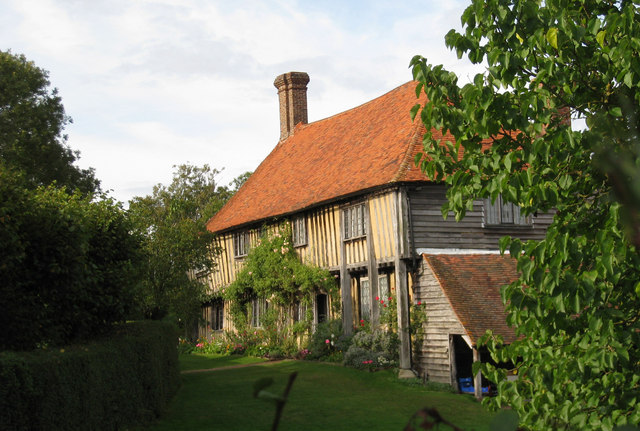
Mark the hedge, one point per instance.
(124, 380)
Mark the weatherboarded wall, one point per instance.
(433, 358)
(430, 230)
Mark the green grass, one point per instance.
(197, 361)
(324, 397)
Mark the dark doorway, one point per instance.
(461, 357)
(322, 307)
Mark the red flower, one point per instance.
(385, 305)
(382, 302)
(419, 303)
(377, 298)
(390, 298)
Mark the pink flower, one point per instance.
(327, 341)
(200, 345)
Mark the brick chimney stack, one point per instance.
(292, 95)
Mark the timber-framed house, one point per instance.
(359, 207)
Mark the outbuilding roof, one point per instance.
(364, 148)
(472, 284)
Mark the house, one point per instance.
(360, 207)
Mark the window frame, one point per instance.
(241, 242)
(384, 283)
(365, 299)
(259, 306)
(501, 213)
(354, 220)
(217, 316)
(299, 231)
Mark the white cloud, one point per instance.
(155, 83)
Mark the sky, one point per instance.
(151, 84)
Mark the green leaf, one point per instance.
(600, 38)
(505, 420)
(515, 249)
(552, 37)
(616, 111)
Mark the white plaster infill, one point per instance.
(422, 251)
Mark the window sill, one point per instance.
(507, 226)
(355, 238)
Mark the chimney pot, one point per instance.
(292, 96)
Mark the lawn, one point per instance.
(324, 397)
(196, 361)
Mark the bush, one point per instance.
(68, 266)
(328, 343)
(376, 349)
(108, 385)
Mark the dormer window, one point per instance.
(240, 244)
(503, 213)
(354, 222)
(299, 231)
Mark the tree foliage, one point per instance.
(68, 265)
(575, 306)
(178, 246)
(32, 121)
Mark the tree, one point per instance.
(32, 120)
(575, 306)
(178, 247)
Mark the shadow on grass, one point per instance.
(196, 361)
(324, 397)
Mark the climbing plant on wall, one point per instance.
(273, 271)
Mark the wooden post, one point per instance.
(402, 295)
(477, 379)
(402, 288)
(345, 284)
(372, 270)
(452, 361)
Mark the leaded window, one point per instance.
(502, 212)
(240, 244)
(354, 222)
(365, 299)
(299, 231)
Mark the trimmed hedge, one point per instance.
(126, 379)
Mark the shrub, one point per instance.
(376, 349)
(328, 343)
(68, 265)
(126, 379)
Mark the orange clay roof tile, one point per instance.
(472, 284)
(366, 147)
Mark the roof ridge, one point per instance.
(360, 105)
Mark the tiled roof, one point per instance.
(366, 147)
(472, 284)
